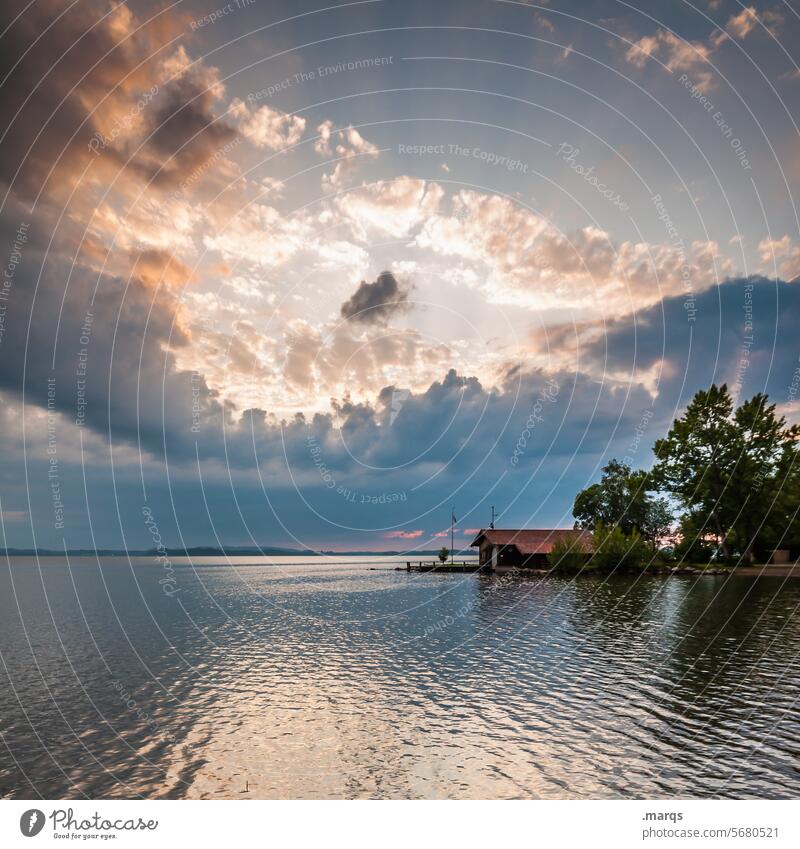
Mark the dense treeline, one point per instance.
(725, 486)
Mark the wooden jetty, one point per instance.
(436, 566)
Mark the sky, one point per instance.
(308, 275)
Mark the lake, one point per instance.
(343, 678)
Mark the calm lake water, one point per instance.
(319, 678)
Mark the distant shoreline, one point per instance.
(208, 551)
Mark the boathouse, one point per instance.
(523, 549)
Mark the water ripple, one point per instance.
(337, 681)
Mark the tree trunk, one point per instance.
(723, 537)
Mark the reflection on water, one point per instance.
(334, 680)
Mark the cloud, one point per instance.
(456, 435)
(376, 303)
(403, 534)
(268, 128)
(748, 20)
(248, 345)
(159, 267)
(680, 54)
(305, 343)
(320, 362)
(781, 256)
(676, 53)
(643, 49)
(71, 80)
(130, 116)
(183, 134)
(734, 337)
(109, 352)
(101, 280)
(529, 262)
(742, 24)
(393, 207)
(348, 146)
(13, 515)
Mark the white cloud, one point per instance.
(675, 53)
(267, 128)
(780, 255)
(526, 261)
(742, 24)
(261, 234)
(346, 145)
(679, 54)
(393, 207)
(640, 51)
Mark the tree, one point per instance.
(444, 553)
(694, 545)
(658, 521)
(766, 453)
(731, 470)
(621, 500)
(783, 526)
(696, 458)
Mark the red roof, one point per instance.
(531, 541)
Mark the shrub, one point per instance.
(569, 555)
(614, 549)
(444, 553)
(664, 556)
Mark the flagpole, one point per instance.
(452, 531)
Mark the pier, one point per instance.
(435, 566)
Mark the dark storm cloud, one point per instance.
(455, 440)
(73, 87)
(106, 351)
(457, 425)
(72, 97)
(53, 72)
(743, 333)
(376, 303)
(135, 392)
(183, 132)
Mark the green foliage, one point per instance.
(697, 456)
(663, 557)
(695, 544)
(767, 454)
(658, 520)
(691, 550)
(733, 472)
(444, 553)
(620, 500)
(616, 550)
(782, 530)
(569, 555)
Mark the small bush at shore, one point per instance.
(614, 549)
(570, 555)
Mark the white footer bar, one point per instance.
(356, 824)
